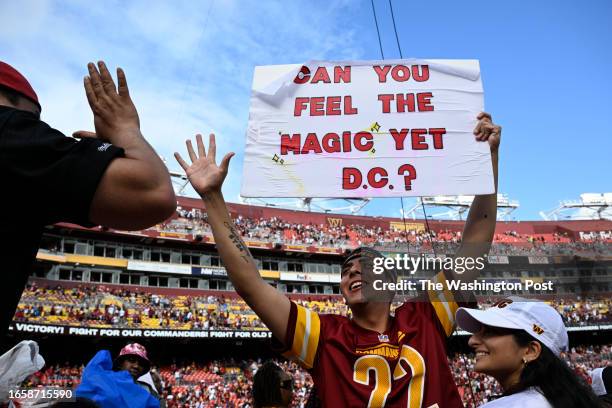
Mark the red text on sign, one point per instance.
(402, 73)
(409, 102)
(418, 141)
(330, 143)
(341, 74)
(325, 106)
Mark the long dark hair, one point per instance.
(553, 377)
(266, 386)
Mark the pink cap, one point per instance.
(135, 349)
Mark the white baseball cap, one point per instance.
(538, 319)
(601, 381)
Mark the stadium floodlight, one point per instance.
(590, 206)
(457, 206)
(179, 182)
(179, 179)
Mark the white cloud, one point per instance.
(189, 64)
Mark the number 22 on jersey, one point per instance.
(383, 379)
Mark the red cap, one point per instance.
(12, 79)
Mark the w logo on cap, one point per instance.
(502, 303)
(537, 329)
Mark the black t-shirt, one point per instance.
(45, 177)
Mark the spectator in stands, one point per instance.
(133, 359)
(112, 177)
(519, 343)
(601, 382)
(114, 383)
(153, 383)
(272, 387)
(207, 379)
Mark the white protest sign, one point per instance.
(366, 129)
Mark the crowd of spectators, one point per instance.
(591, 312)
(577, 312)
(101, 306)
(228, 383)
(275, 230)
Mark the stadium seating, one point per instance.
(228, 383)
(276, 230)
(101, 306)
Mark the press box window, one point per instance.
(270, 265)
(214, 261)
(71, 274)
(160, 281)
(127, 279)
(295, 267)
(217, 285)
(130, 253)
(105, 251)
(158, 256)
(188, 283)
(190, 259)
(105, 277)
(294, 288)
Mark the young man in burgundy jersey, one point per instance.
(372, 359)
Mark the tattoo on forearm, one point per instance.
(234, 236)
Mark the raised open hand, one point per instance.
(115, 116)
(203, 173)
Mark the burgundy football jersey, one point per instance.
(354, 367)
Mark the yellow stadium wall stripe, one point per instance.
(269, 274)
(45, 256)
(97, 260)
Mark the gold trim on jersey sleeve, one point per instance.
(305, 337)
(444, 304)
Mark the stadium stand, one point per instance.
(103, 306)
(265, 227)
(169, 278)
(227, 383)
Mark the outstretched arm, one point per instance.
(480, 225)
(207, 178)
(477, 234)
(135, 191)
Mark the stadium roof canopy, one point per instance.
(591, 206)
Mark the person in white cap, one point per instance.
(519, 342)
(601, 383)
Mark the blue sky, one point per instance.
(545, 68)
